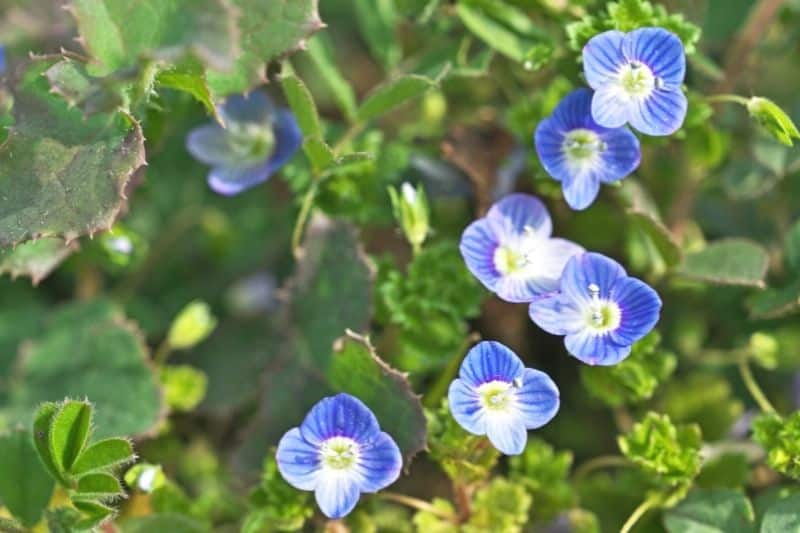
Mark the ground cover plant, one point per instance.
(399, 266)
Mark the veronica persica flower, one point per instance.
(637, 79)
(495, 395)
(580, 153)
(339, 451)
(510, 250)
(257, 139)
(599, 309)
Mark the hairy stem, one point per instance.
(302, 218)
(603, 461)
(637, 514)
(753, 387)
(416, 503)
(733, 98)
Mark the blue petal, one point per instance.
(574, 111)
(580, 191)
(549, 141)
(659, 49)
(209, 144)
(507, 433)
(478, 245)
(233, 180)
(254, 107)
(490, 361)
(556, 314)
(2, 59)
(512, 215)
(340, 416)
(465, 406)
(661, 113)
(621, 156)
(298, 461)
(640, 306)
(379, 464)
(595, 349)
(537, 399)
(550, 259)
(610, 107)
(337, 493)
(590, 268)
(602, 58)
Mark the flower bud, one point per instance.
(764, 349)
(192, 325)
(145, 477)
(411, 211)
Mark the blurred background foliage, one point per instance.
(711, 219)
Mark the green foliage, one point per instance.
(711, 511)
(727, 262)
(36, 259)
(90, 350)
(636, 378)
(501, 506)
(62, 174)
(412, 213)
(386, 97)
(774, 119)
(464, 458)
(705, 399)
(25, 487)
(670, 453)
(276, 505)
(780, 438)
(193, 324)
(184, 387)
(435, 521)
(429, 304)
(782, 516)
(627, 15)
(544, 473)
(357, 370)
(173, 522)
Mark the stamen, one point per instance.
(597, 314)
(658, 83)
(517, 383)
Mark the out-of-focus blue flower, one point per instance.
(255, 142)
(599, 308)
(2, 60)
(510, 250)
(581, 154)
(637, 79)
(339, 451)
(495, 395)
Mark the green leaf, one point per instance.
(321, 52)
(783, 516)
(773, 119)
(69, 433)
(71, 80)
(710, 511)
(276, 504)
(303, 106)
(41, 439)
(116, 33)
(104, 455)
(545, 475)
(93, 514)
(25, 486)
(775, 302)
(190, 78)
(319, 153)
(394, 93)
(505, 29)
(62, 174)
(633, 380)
(704, 398)
(727, 262)
(780, 438)
(663, 239)
(791, 247)
(90, 350)
(670, 453)
(174, 523)
(98, 486)
(377, 20)
(36, 259)
(267, 31)
(357, 370)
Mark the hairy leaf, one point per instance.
(25, 486)
(712, 511)
(727, 262)
(69, 432)
(104, 455)
(36, 259)
(98, 486)
(386, 97)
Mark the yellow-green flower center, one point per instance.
(339, 453)
(251, 141)
(602, 315)
(496, 395)
(637, 79)
(582, 144)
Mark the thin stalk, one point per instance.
(603, 461)
(302, 218)
(439, 388)
(416, 503)
(753, 387)
(162, 353)
(637, 514)
(733, 98)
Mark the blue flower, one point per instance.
(599, 308)
(339, 451)
(2, 60)
(496, 396)
(256, 141)
(637, 79)
(581, 154)
(510, 250)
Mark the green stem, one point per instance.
(733, 98)
(302, 217)
(439, 388)
(637, 514)
(416, 503)
(753, 387)
(162, 353)
(348, 136)
(603, 461)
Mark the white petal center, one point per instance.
(339, 453)
(498, 396)
(637, 80)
